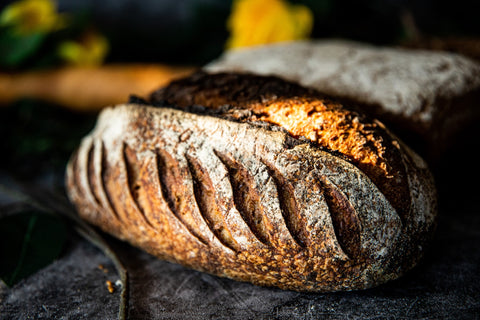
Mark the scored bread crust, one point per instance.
(427, 97)
(248, 200)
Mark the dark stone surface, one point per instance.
(73, 287)
(444, 286)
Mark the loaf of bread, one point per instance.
(425, 97)
(256, 179)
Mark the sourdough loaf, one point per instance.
(426, 97)
(257, 179)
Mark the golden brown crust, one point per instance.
(303, 113)
(214, 188)
(427, 97)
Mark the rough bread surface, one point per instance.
(303, 113)
(246, 199)
(413, 90)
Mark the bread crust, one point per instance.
(250, 202)
(426, 97)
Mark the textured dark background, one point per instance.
(193, 31)
(37, 140)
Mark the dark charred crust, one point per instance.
(137, 100)
(212, 90)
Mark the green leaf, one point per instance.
(15, 49)
(29, 241)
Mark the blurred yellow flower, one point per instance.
(255, 22)
(32, 16)
(91, 50)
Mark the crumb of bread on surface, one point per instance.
(110, 286)
(103, 268)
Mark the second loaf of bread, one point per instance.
(211, 175)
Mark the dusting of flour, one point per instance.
(401, 81)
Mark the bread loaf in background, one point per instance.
(426, 97)
(257, 179)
